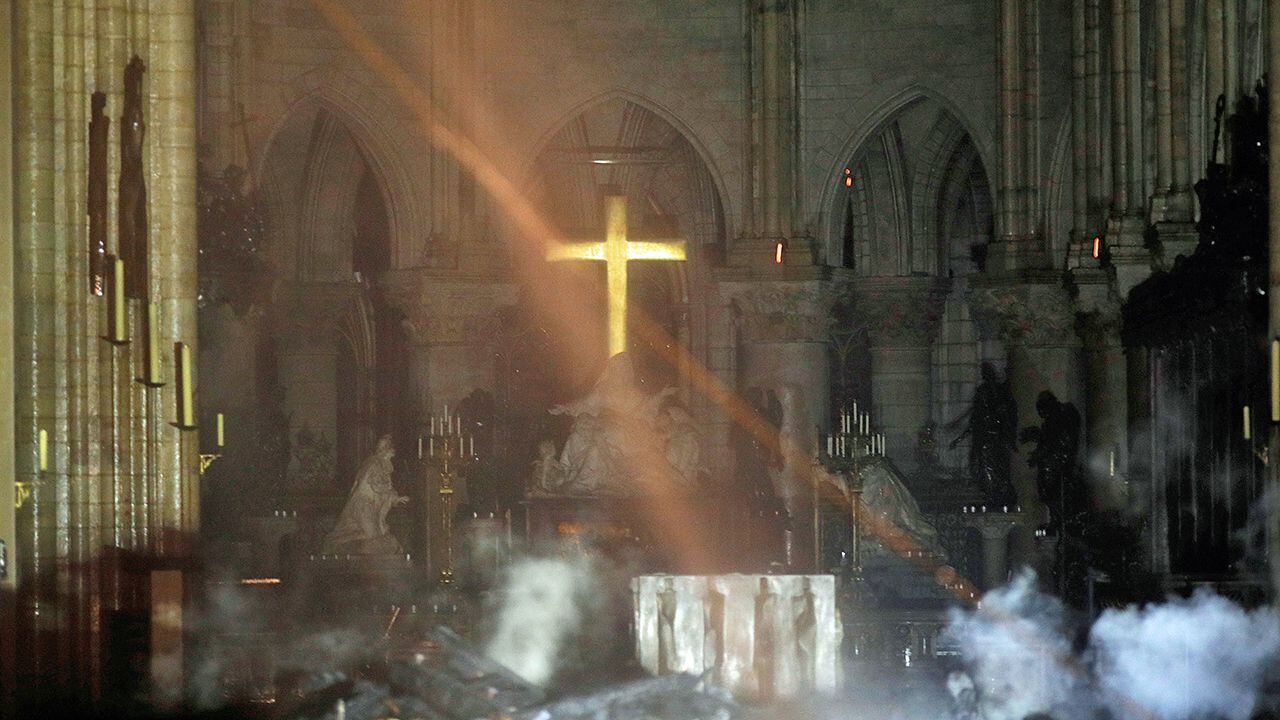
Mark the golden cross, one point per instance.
(615, 250)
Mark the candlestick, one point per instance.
(117, 332)
(1275, 380)
(185, 397)
(221, 431)
(44, 450)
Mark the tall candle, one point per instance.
(1248, 424)
(830, 446)
(431, 446)
(153, 343)
(471, 443)
(44, 450)
(186, 388)
(222, 438)
(1111, 469)
(1275, 380)
(117, 331)
(419, 447)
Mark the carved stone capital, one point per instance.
(783, 311)
(453, 312)
(1028, 313)
(899, 311)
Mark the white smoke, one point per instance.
(1017, 651)
(1185, 658)
(1199, 657)
(539, 614)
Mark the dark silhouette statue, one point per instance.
(1054, 457)
(132, 221)
(991, 423)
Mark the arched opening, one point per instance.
(915, 197)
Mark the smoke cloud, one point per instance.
(1017, 650)
(539, 613)
(1184, 658)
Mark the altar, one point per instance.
(765, 637)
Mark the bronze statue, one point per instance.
(132, 221)
(991, 423)
(1057, 447)
(99, 126)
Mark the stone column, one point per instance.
(1030, 63)
(119, 474)
(1137, 122)
(902, 316)
(1273, 174)
(452, 85)
(774, 151)
(1010, 121)
(454, 328)
(1163, 101)
(1105, 411)
(1080, 140)
(1215, 78)
(1124, 235)
(1171, 205)
(8, 516)
(1019, 244)
(218, 117)
(783, 348)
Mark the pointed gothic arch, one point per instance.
(896, 201)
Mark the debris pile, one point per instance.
(445, 678)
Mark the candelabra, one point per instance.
(449, 447)
(855, 438)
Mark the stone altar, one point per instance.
(765, 637)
